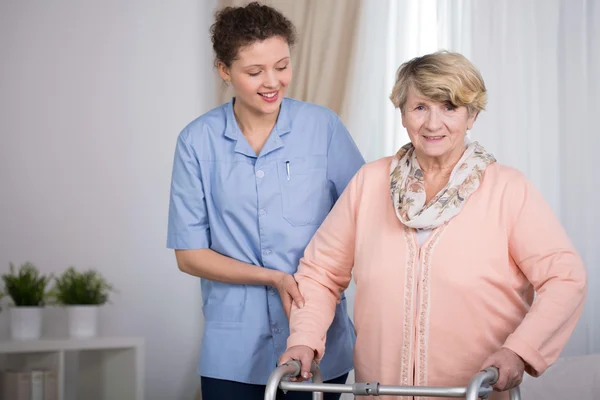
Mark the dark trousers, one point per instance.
(218, 389)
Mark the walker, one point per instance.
(480, 386)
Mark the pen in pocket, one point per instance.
(287, 169)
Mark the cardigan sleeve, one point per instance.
(325, 271)
(539, 245)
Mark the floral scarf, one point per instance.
(408, 187)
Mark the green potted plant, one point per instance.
(82, 293)
(26, 288)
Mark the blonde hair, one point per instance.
(443, 77)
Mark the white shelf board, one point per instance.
(69, 344)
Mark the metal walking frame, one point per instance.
(480, 386)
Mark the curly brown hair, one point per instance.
(236, 27)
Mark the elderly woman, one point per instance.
(447, 248)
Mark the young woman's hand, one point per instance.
(305, 355)
(287, 287)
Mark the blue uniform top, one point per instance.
(262, 210)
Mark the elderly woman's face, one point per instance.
(435, 129)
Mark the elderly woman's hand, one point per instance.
(305, 355)
(510, 367)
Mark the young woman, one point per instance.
(252, 181)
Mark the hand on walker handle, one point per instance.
(305, 355)
(287, 287)
(510, 369)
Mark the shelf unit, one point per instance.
(101, 368)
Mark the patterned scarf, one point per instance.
(408, 187)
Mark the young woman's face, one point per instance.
(260, 75)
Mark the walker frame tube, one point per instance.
(480, 386)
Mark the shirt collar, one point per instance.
(282, 126)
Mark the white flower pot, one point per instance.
(25, 323)
(83, 321)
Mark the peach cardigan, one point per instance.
(473, 292)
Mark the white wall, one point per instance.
(92, 97)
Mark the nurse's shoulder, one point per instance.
(305, 113)
(207, 127)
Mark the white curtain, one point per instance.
(540, 60)
(578, 144)
(382, 45)
(515, 45)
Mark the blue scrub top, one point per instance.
(262, 210)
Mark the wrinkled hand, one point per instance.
(305, 355)
(288, 291)
(510, 367)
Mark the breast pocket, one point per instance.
(305, 193)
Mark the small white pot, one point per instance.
(83, 321)
(25, 323)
